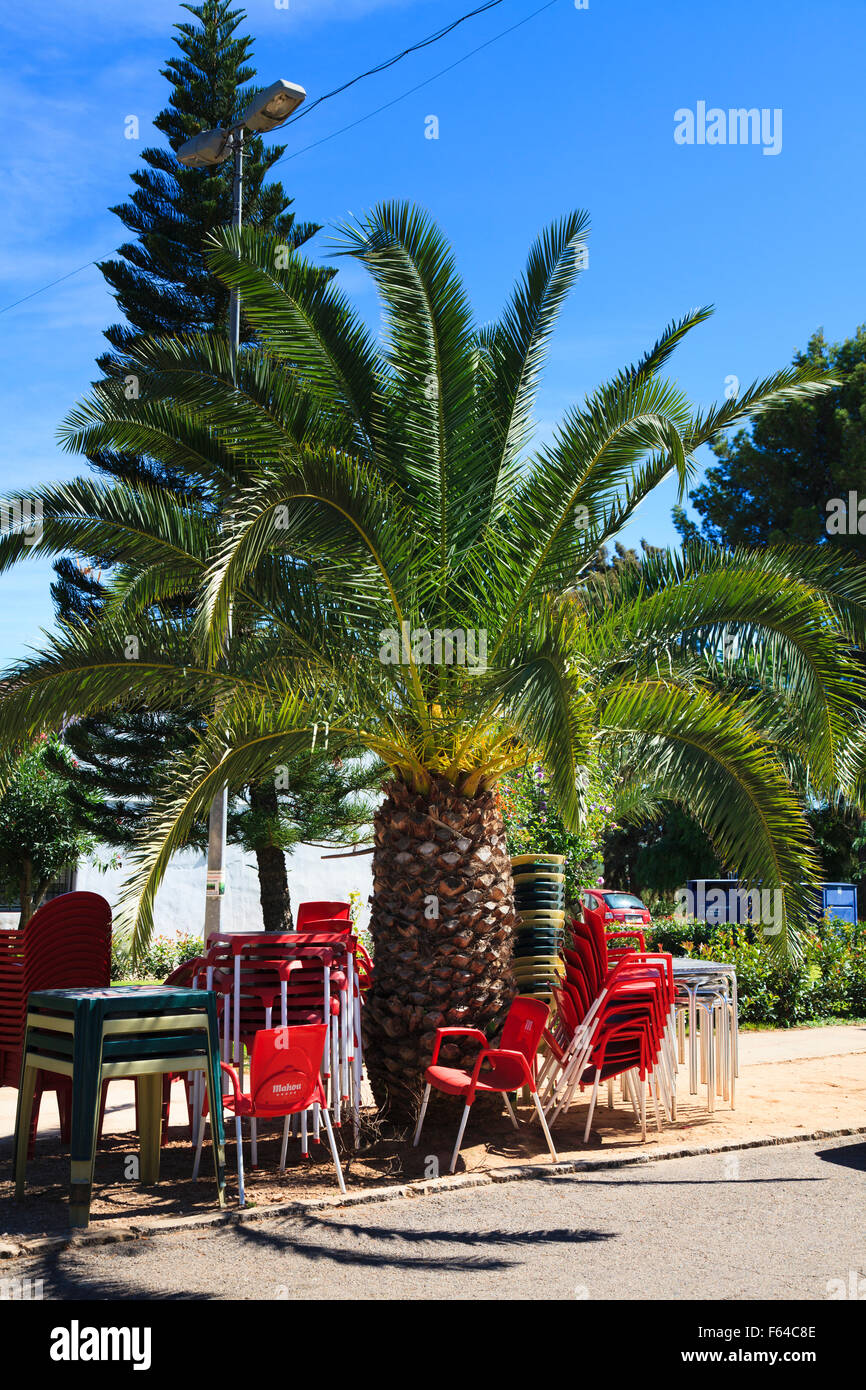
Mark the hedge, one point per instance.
(828, 980)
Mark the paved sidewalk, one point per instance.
(792, 1044)
(772, 1223)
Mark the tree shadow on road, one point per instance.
(846, 1155)
(65, 1281)
(287, 1241)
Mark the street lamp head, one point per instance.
(273, 106)
(205, 150)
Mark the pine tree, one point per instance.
(788, 476)
(159, 279)
(162, 287)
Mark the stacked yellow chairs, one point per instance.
(539, 891)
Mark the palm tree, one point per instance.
(411, 567)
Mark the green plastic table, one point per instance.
(93, 1035)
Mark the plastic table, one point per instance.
(691, 973)
(93, 1035)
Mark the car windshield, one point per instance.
(619, 900)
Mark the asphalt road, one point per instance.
(770, 1223)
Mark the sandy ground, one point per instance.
(792, 1083)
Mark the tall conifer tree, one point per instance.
(162, 288)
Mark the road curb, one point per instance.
(31, 1247)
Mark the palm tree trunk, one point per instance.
(442, 927)
(274, 893)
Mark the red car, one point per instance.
(613, 911)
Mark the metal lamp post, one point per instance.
(268, 109)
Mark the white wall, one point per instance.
(180, 901)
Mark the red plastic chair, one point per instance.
(284, 1080)
(66, 944)
(320, 912)
(623, 1002)
(501, 1069)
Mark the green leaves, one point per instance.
(516, 348)
(303, 321)
(344, 503)
(696, 748)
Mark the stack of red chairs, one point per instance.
(316, 975)
(614, 1019)
(65, 945)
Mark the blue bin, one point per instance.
(839, 900)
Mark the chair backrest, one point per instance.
(524, 1026)
(325, 926)
(591, 932)
(68, 943)
(566, 1009)
(285, 1067)
(575, 983)
(65, 945)
(583, 957)
(320, 912)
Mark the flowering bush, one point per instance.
(163, 954)
(533, 825)
(356, 907)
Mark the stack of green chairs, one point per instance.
(539, 893)
(93, 1035)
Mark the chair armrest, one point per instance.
(451, 1032)
(630, 934)
(235, 1080)
(661, 960)
(490, 1054)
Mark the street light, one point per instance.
(202, 151)
(268, 109)
(273, 106)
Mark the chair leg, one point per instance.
(631, 1088)
(421, 1114)
(287, 1122)
(460, 1134)
(26, 1092)
(592, 1102)
(643, 1110)
(553, 1153)
(103, 1100)
(654, 1086)
(240, 1138)
(198, 1146)
(254, 1145)
(166, 1109)
(707, 1055)
(34, 1121)
(511, 1113)
(328, 1126)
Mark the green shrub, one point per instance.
(163, 955)
(827, 981)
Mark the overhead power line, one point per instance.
(327, 96)
(417, 88)
(398, 57)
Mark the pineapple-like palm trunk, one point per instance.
(442, 927)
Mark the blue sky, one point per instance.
(575, 108)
